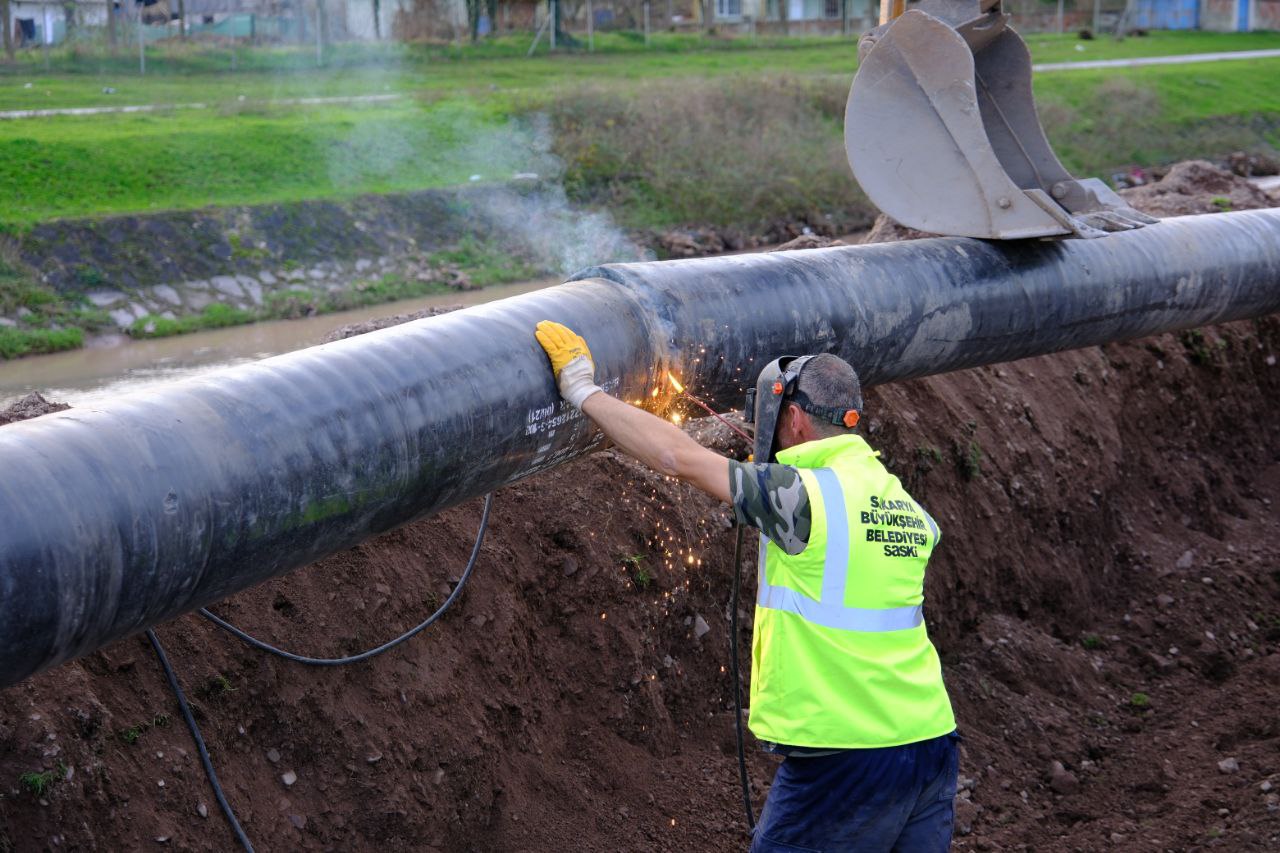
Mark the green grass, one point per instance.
(15, 343)
(638, 571)
(134, 732)
(246, 152)
(40, 783)
(485, 263)
(187, 74)
(216, 316)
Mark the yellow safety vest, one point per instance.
(840, 656)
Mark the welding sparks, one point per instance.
(675, 418)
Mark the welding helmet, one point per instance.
(777, 385)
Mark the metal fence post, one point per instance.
(142, 44)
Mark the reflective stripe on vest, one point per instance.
(831, 611)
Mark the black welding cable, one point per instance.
(199, 739)
(737, 679)
(387, 646)
(256, 643)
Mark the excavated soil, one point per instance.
(1106, 601)
(1196, 186)
(1190, 187)
(1107, 597)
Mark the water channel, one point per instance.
(116, 364)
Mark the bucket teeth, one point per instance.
(942, 133)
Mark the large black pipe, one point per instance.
(116, 518)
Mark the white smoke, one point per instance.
(539, 219)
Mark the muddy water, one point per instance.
(115, 364)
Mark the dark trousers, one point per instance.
(893, 800)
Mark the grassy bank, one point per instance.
(49, 321)
(475, 263)
(243, 154)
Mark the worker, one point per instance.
(845, 684)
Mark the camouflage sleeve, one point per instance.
(771, 498)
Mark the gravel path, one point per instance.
(1183, 59)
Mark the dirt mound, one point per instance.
(1196, 186)
(352, 329)
(31, 406)
(889, 230)
(809, 241)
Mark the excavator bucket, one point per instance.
(942, 132)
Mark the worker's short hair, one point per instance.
(830, 381)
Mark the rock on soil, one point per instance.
(31, 406)
(1196, 186)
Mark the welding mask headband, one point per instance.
(776, 386)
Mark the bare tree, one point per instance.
(111, 24)
(377, 20)
(182, 20)
(783, 13)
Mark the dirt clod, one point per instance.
(352, 329)
(889, 230)
(809, 241)
(31, 406)
(1248, 164)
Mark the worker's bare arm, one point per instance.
(659, 444)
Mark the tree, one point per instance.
(182, 20)
(377, 20)
(8, 29)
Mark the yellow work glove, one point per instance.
(571, 362)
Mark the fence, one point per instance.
(564, 24)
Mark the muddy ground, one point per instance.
(1106, 601)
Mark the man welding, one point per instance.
(845, 683)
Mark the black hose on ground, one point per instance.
(737, 679)
(377, 650)
(266, 647)
(199, 739)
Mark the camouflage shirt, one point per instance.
(771, 498)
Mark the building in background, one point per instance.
(35, 23)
